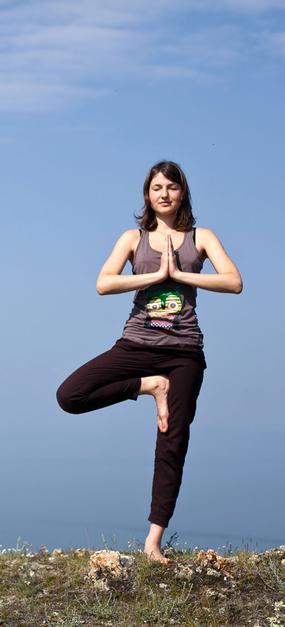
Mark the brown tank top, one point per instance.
(164, 314)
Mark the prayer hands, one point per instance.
(168, 263)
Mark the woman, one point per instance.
(161, 349)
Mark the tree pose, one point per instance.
(160, 351)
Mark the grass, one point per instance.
(199, 588)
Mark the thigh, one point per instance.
(115, 364)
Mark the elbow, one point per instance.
(238, 286)
(99, 289)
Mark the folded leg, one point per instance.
(109, 378)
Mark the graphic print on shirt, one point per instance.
(163, 308)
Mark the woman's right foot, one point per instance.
(158, 387)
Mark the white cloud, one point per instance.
(19, 95)
(257, 6)
(211, 48)
(52, 53)
(5, 139)
(275, 42)
(237, 6)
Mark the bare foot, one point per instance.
(158, 387)
(153, 552)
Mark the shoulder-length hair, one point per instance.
(184, 219)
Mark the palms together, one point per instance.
(168, 265)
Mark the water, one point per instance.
(54, 533)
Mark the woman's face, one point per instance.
(165, 196)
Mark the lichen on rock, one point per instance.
(106, 567)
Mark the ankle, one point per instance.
(152, 542)
(148, 384)
(155, 534)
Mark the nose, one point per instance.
(165, 193)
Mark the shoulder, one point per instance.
(205, 235)
(204, 232)
(129, 236)
(130, 233)
(204, 238)
(130, 239)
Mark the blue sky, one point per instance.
(91, 95)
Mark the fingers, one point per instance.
(168, 241)
(170, 244)
(167, 246)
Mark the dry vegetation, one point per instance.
(108, 588)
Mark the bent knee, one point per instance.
(66, 402)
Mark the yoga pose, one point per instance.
(160, 351)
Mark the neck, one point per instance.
(165, 224)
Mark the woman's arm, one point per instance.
(227, 279)
(109, 280)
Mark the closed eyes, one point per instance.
(157, 187)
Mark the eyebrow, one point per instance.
(168, 185)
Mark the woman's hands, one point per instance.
(172, 263)
(168, 265)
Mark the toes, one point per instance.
(161, 559)
(162, 423)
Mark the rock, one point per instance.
(56, 552)
(213, 573)
(182, 571)
(212, 561)
(81, 552)
(107, 567)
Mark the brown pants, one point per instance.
(115, 376)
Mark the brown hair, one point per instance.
(184, 219)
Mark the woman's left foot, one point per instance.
(153, 552)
